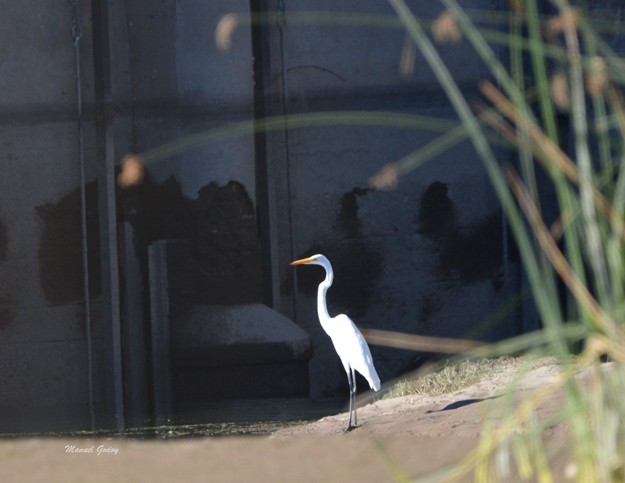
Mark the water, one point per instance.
(208, 419)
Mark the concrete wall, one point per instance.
(425, 258)
(317, 178)
(185, 85)
(43, 352)
(169, 81)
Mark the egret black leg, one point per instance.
(351, 392)
(354, 397)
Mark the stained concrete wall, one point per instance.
(186, 85)
(167, 80)
(425, 258)
(318, 197)
(428, 257)
(43, 355)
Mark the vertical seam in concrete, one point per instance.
(285, 110)
(76, 34)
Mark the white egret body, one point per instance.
(348, 342)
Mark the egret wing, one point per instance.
(352, 348)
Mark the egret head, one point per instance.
(321, 261)
(314, 260)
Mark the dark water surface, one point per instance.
(216, 418)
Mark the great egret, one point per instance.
(348, 342)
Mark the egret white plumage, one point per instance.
(348, 341)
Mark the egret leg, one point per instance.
(353, 396)
(351, 392)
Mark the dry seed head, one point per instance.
(386, 179)
(559, 88)
(567, 19)
(445, 29)
(223, 32)
(132, 172)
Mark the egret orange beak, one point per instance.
(302, 261)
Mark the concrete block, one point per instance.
(243, 351)
(213, 335)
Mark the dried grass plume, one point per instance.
(559, 88)
(568, 18)
(223, 32)
(386, 179)
(132, 172)
(445, 29)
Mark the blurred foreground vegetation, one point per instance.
(559, 68)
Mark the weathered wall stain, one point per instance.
(436, 215)
(473, 252)
(357, 263)
(347, 220)
(431, 303)
(8, 310)
(60, 247)
(476, 254)
(219, 225)
(227, 245)
(4, 240)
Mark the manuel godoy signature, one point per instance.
(93, 449)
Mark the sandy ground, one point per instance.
(397, 439)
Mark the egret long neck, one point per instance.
(322, 307)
